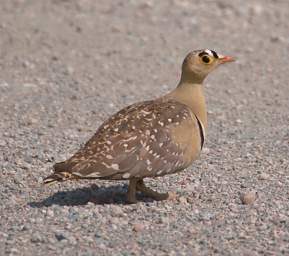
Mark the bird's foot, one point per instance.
(140, 186)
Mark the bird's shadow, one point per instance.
(98, 195)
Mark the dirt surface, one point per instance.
(66, 65)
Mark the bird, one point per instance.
(149, 139)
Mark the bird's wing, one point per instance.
(151, 138)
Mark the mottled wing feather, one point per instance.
(138, 141)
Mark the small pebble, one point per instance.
(172, 196)
(164, 220)
(37, 238)
(138, 227)
(183, 200)
(264, 176)
(60, 236)
(248, 197)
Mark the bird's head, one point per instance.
(198, 64)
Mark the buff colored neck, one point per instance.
(192, 95)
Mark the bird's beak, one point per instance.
(225, 59)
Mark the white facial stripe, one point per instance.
(212, 53)
(209, 52)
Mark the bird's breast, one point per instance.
(187, 136)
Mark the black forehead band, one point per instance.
(215, 54)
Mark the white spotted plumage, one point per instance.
(148, 139)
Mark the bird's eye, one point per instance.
(206, 59)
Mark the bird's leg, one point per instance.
(131, 193)
(140, 186)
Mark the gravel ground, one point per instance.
(67, 64)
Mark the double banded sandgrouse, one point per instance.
(150, 138)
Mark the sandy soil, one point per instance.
(66, 65)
